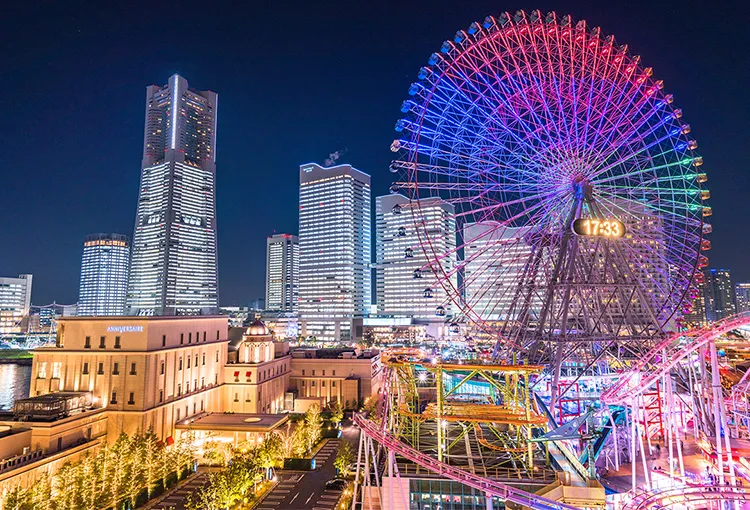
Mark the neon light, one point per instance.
(174, 112)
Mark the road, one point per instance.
(306, 490)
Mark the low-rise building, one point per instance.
(347, 375)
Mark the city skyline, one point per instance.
(100, 134)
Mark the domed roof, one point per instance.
(257, 328)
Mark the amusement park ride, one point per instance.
(582, 174)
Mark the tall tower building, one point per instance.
(719, 294)
(742, 295)
(15, 301)
(104, 275)
(496, 254)
(174, 268)
(406, 285)
(282, 272)
(334, 249)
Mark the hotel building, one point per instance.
(720, 299)
(742, 295)
(174, 261)
(334, 238)
(282, 272)
(406, 285)
(104, 275)
(15, 301)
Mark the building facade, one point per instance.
(742, 295)
(15, 301)
(104, 275)
(720, 302)
(496, 254)
(174, 267)
(334, 237)
(282, 272)
(406, 285)
(147, 372)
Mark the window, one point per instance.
(312, 384)
(178, 415)
(196, 360)
(131, 401)
(179, 365)
(334, 372)
(182, 341)
(59, 443)
(161, 372)
(303, 383)
(190, 338)
(217, 334)
(247, 398)
(204, 358)
(102, 342)
(56, 369)
(188, 360)
(164, 340)
(217, 356)
(117, 342)
(333, 384)
(313, 371)
(203, 382)
(248, 376)
(195, 384)
(101, 369)
(323, 384)
(201, 405)
(303, 371)
(85, 368)
(87, 345)
(194, 404)
(179, 390)
(187, 387)
(132, 369)
(114, 398)
(116, 369)
(204, 336)
(161, 396)
(324, 373)
(236, 397)
(237, 376)
(216, 379)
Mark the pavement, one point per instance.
(306, 490)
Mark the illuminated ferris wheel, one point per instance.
(575, 186)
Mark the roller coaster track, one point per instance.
(489, 487)
(650, 369)
(683, 495)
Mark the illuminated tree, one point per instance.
(313, 426)
(337, 412)
(344, 458)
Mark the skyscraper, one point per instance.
(499, 255)
(742, 294)
(719, 294)
(334, 249)
(174, 268)
(15, 300)
(406, 286)
(282, 272)
(104, 275)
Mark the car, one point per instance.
(336, 483)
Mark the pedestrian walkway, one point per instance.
(176, 499)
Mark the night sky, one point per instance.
(296, 81)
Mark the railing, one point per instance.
(486, 485)
(692, 494)
(19, 460)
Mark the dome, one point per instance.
(257, 328)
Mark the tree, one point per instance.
(313, 426)
(337, 412)
(344, 458)
(368, 339)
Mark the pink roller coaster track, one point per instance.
(638, 379)
(683, 495)
(492, 487)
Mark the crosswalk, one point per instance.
(176, 500)
(328, 499)
(279, 493)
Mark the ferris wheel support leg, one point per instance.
(614, 438)
(716, 387)
(390, 479)
(674, 429)
(488, 501)
(727, 438)
(667, 383)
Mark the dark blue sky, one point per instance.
(296, 80)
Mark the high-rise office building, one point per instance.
(742, 295)
(104, 275)
(496, 254)
(719, 294)
(697, 317)
(282, 272)
(334, 250)
(173, 268)
(15, 300)
(406, 285)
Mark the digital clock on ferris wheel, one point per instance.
(598, 227)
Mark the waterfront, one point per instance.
(15, 380)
